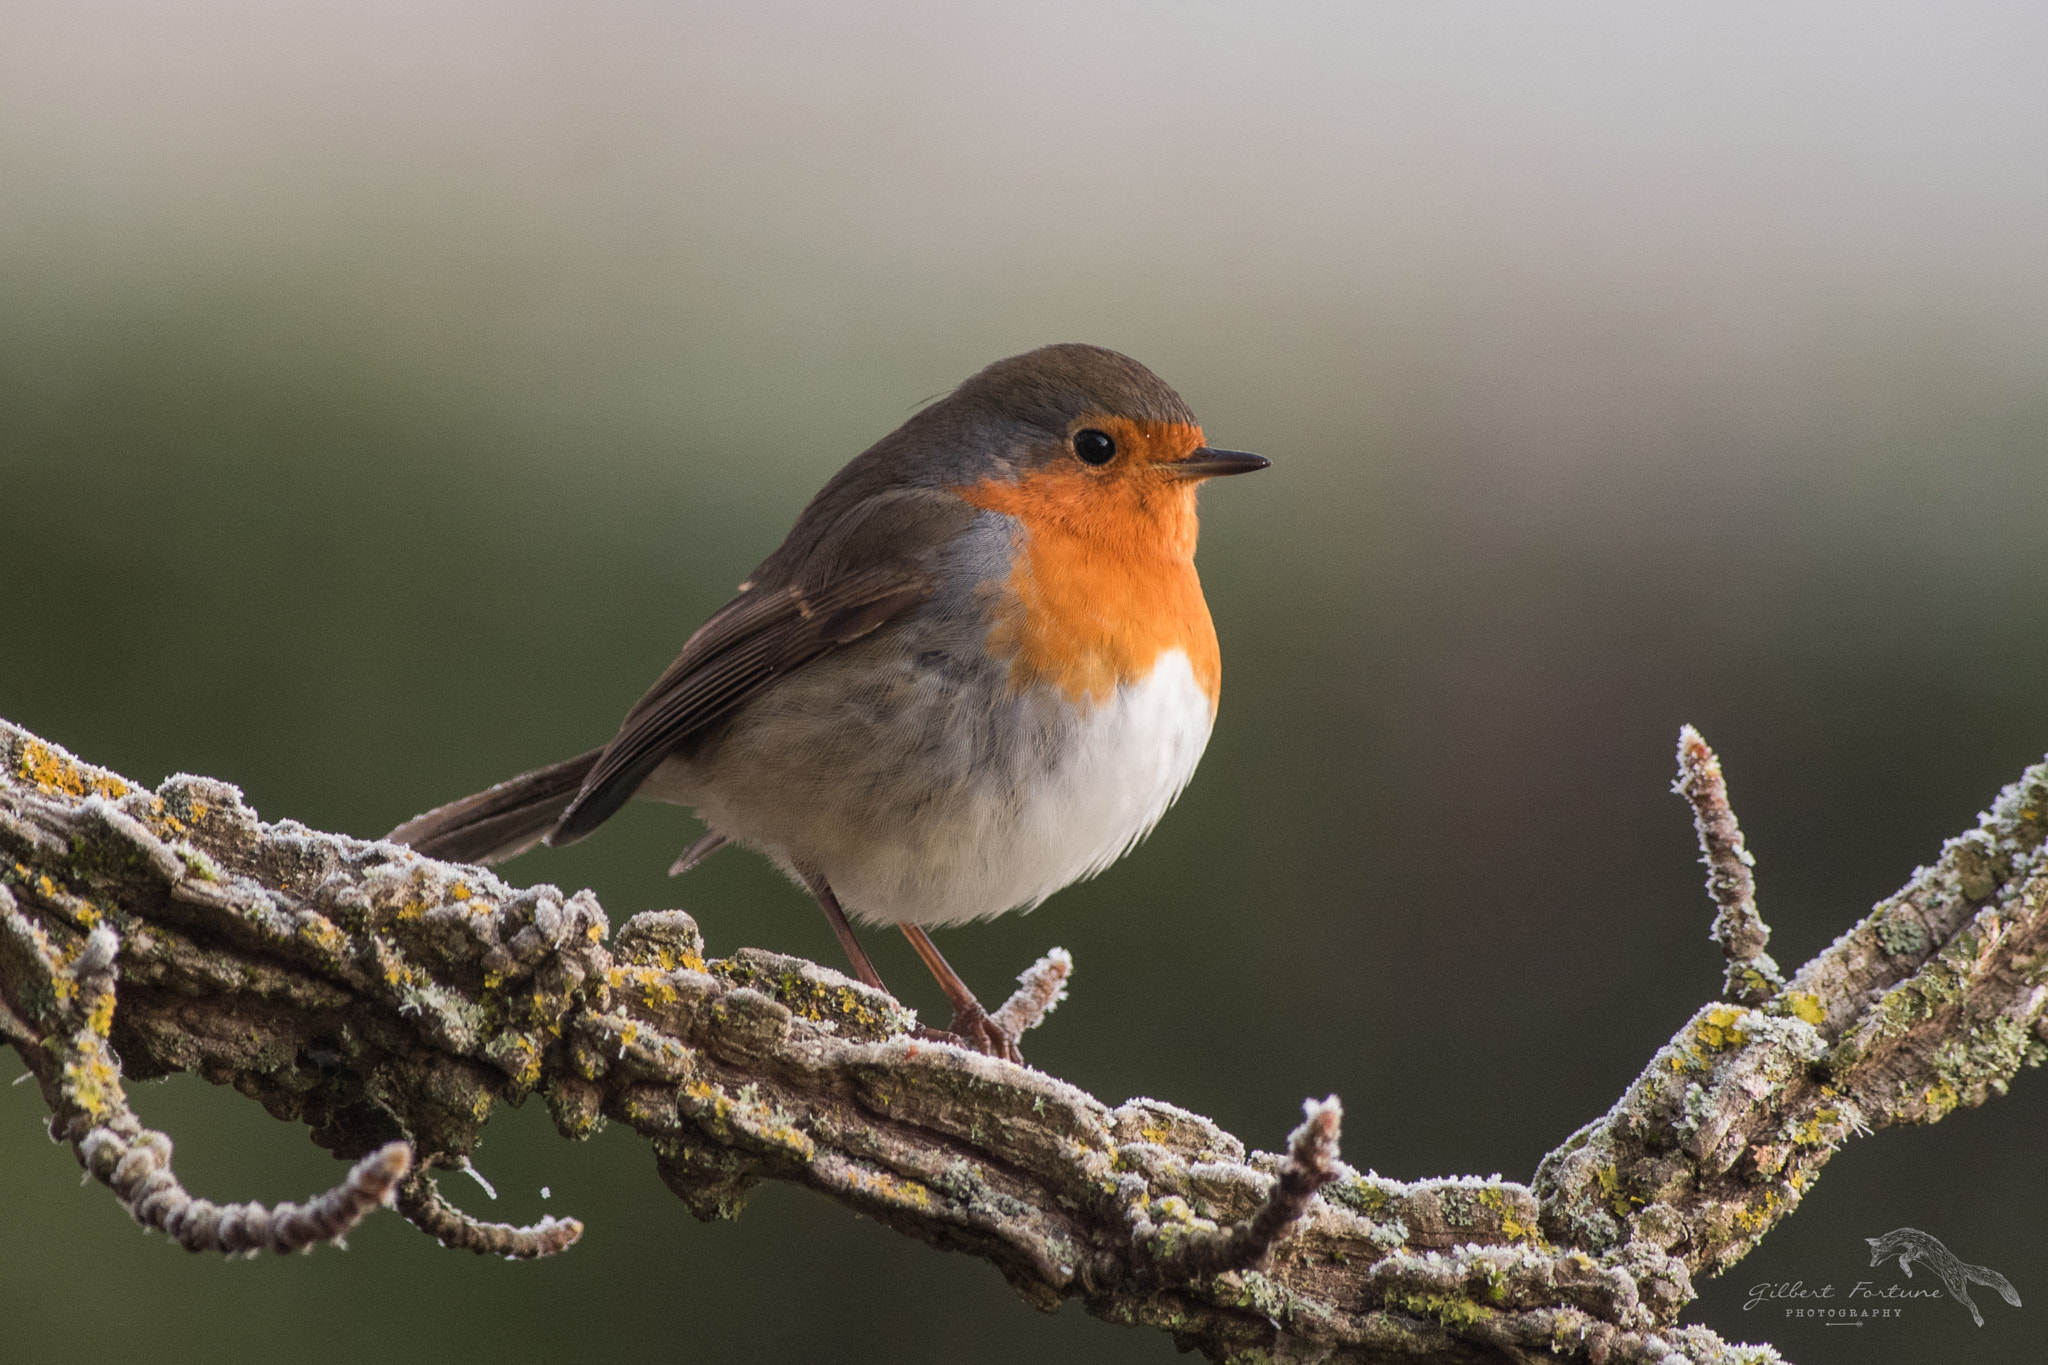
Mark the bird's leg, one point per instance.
(971, 1024)
(856, 954)
(970, 1021)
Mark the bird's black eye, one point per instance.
(1094, 447)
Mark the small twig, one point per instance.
(423, 1205)
(1752, 976)
(1311, 1164)
(138, 1170)
(135, 1162)
(1040, 987)
(1248, 1244)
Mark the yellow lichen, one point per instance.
(94, 1085)
(1813, 1132)
(1719, 1029)
(322, 934)
(1805, 1005)
(54, 772)
(1751, 1221)
(892, 1189)
(1617, 1199)
(1513, 1228)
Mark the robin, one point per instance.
(979, 668)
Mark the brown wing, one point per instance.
(871, 565)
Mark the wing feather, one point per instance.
(875, 565)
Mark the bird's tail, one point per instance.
(501, 821)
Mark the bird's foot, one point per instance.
(974, 1030)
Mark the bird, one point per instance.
(979, 668)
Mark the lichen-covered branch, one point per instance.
(390, 1002)
(76, 990)
(1934, 1000)
(1752, 976)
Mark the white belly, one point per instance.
(1124, 764)
(1039, 798)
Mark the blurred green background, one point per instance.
(387, 389)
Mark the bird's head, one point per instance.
(1080, 438)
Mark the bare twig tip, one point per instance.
(1311, 1163)
(1040, 988)
(1314, 1144)
(424, 1206)
(1738, 927)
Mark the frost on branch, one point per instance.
(389, 1002)
(1753, 977)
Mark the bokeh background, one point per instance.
(386, 389)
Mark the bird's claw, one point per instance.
(974, 1030)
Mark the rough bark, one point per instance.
(389, 1002)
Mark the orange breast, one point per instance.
(1103, 579)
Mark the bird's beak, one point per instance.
(1209, 464)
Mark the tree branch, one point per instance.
(389, 1001)
(1752, 977)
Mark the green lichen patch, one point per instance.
(1978, 864)
(1901, 933)
(1370, 1195)
(1452, 1311)
(1614, 1190)
(1970, 1069)
(197, 863)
